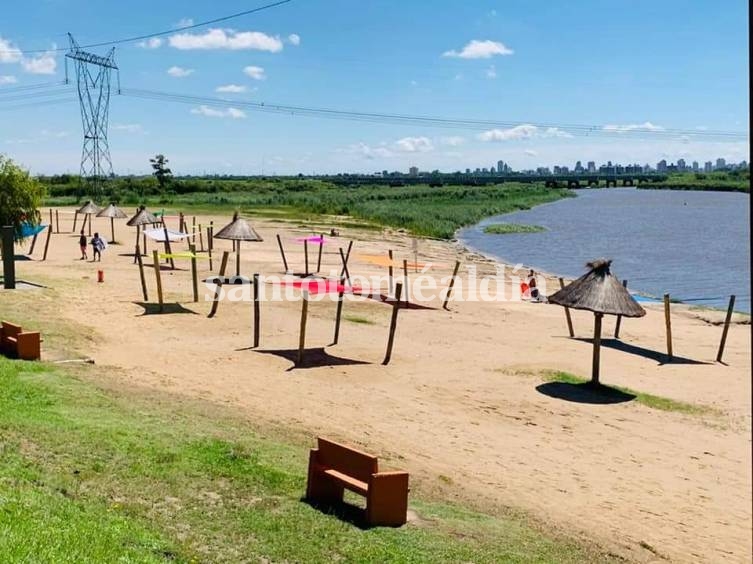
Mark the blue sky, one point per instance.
(621, 64)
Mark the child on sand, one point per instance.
(82, 245)
(98, 245)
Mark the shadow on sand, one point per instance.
(584, 393)
(312, 358)
(154, 309)
(660, 357)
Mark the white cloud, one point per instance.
(531, 153)
(369, 152)
(226, 39)
(153, 43)
(525, 131)
(491, 72)
(212, 112)
(179, 72)
(294, 39)
(414, 83)
(184, 22)
(414, 144)
(8, 79)
(477, 49)
(231, 88)
(646, 126)
(8, 52)
(128, 127)
(54, 134)
(44, 64)
(452, 140)
(257, 73)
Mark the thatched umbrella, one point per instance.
(141, 218)
(87, 210)
(238, 230)
(602, 293)
(113, 212)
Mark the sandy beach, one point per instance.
(460, 406)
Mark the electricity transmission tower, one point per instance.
(93, 79)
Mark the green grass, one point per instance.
(505, 228)
(649, 400)
(89, 475)
(729, 181)
(422, 210)
(358, 319)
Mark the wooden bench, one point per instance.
(17, 343)
(334, 467)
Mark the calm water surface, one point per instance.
(694, 245)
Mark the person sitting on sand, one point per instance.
(334, 232)
(98, 245)
(82, 245)
(532, 285)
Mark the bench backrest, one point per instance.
(344, 459)
(10, 330)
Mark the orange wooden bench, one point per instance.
(334, 467)
(17, 343)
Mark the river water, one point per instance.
(693, 245)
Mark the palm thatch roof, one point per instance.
(142, 217)
(238, 230)
(598, 291)
(88, 208)
(112, 211)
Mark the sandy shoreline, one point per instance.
(461, 404)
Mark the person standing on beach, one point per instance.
(82, 245)
(98, 245)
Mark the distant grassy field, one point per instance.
(731, 181)
(506, 228)
(88, 475)
(423, 210)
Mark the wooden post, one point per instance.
(57, 222)
(405, 277)
(138, 238)
(319, 258)
(210, 236)
(182, 223)
(50, 218)
(597, 349)
(345, 274)
(75, 219)
(389, 273)
(393, 323)
(168, 247)
(141, 273)
(567, 314)
(282, 253)
(158, 276)
(209, 246)
(216, 301)
(33, 243)
(306, 256)
(89, 217)
(452, 283)
(144, 237)
(194, 273)
(237, 258)
(47, 242)
(727, 321)
(201, 238)
(619, 317)
(257, 312)
(112, 229)
(302, 335)
(338, 314)
(193, 230)
(668, 323)
(345, 262)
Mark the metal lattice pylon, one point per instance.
(93, 75)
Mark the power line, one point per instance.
(428, 121)
(38, 103)
(26, 87)
(156, 34)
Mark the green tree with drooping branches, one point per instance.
(20, 196)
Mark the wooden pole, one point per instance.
(405, 277)
(47, 242)
(138, 238)
(302, 335)
(306, 256)
(112, 229)
(210, 236)
(209, 246)
(338, 314)
(223, 266)
(389, 273)
(193, 229)
(57, 222)
(668, 322)
(257, 312)
(282, 253)
(33, 243)
(237, 258)
(194, 273)
(619, 317)
(89, 217)
(727, 321)
(345, 274)
(158, 276)
(319, 258)
(201, 238)
(347, 258)
(597, 349)
(567, 314)
(50, 218)
(168, 247)
(141, 273)
(452, 283)
(393, 323)
(75, 219)
(144, 237)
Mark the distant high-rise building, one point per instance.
(661, 166)
(721, 164)
(708, 166)
(467, 170)
(413, 171)
(578, 167)
(500, 167)
(681, 164)
(695, 166)
(591, 166)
